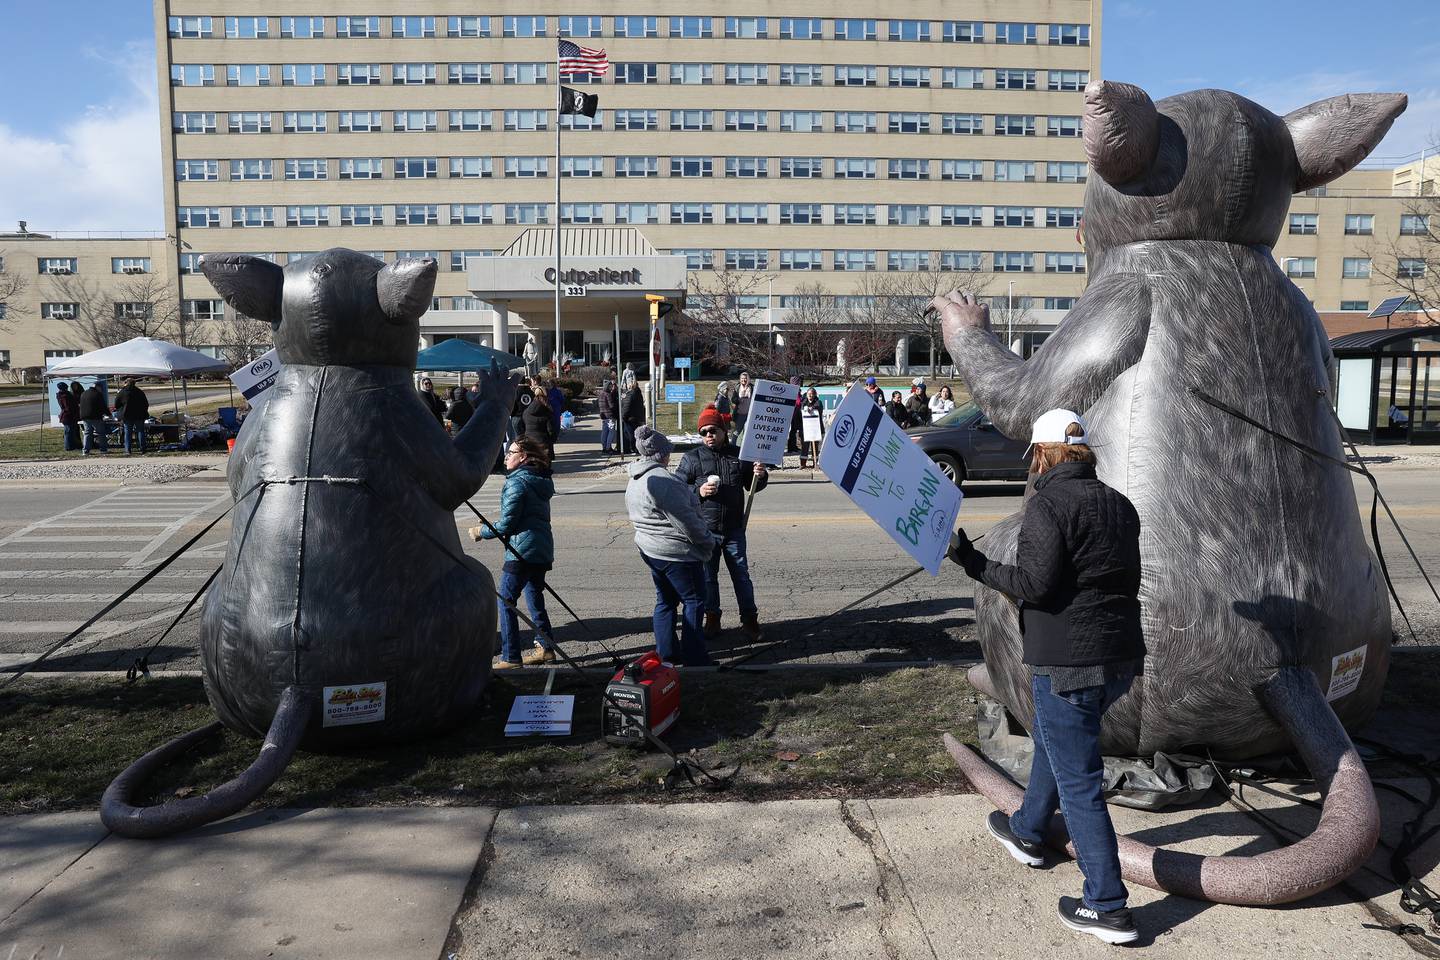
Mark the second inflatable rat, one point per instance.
(347, 612)
(1265, 615)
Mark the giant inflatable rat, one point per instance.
(1258, 589)
(344, 567)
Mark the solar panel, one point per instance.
(1388, 306)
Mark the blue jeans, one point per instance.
(607, 434)
(1067, 772)
(133, 430)
(733, 550)
(95, 434)
(72, 435)
(678, 588)
(517, 577)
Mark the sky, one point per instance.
(80, 128)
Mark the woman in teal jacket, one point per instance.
(524, 527)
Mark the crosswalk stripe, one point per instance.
(142, 596)
(91, 522)
(83, 539)
(83, 555)
(39, 626)
(70, 572)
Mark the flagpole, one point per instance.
(559, 95)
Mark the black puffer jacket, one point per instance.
(1077, 571)
(724, 513)
(539, 423)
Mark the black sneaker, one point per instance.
(1030, 854)
(1112, 926)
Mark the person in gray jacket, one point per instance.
(674, 542)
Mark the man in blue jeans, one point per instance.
(1076, 578)
(721, 479)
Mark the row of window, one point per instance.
(697, 28)
(1353, 268)
(1360, 224)
(538, 72)
(804, 168)
(69, 265)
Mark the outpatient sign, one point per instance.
(767, 427)
(882, 470)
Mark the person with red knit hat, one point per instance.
(720, 478)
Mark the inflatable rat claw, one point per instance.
(1346, 835)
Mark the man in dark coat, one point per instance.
(523, 398)
(132, 408)
(632, 410)
(606, 402)
(68, 405)
(722, 504)
(92, 415)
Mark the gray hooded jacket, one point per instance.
(666, 515)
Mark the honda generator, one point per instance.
(643, 695)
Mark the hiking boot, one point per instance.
(537, 655)
(1112, 926)
(506, 665)
(711, 626)
(751, 626)
(1030, 854)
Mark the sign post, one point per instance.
(884, 473)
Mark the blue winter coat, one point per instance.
(525, 516)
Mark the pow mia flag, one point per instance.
(577, 101)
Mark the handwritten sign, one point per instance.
(772, 406)
(356, 703)
(545, 715)
(679, 393)
(882, 470)
(810, 425)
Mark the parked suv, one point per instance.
(965, 445)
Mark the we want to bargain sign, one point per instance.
(882, 470)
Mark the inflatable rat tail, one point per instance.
(1346, 835)
(120, 815)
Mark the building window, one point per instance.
(467, 27)
(200, 311)
(1070, 34)
(800, 213)
(637, 213)
(1059, 303)
(192, 28)
(1009, 261)
(1014, 125)
(581, 167)
(1015, 33)
(747, 28)
(523, 26)
(248, 75)
(357, 74)
(1300, 267)
(746, 121)
(1063, 171)
(577, 27)
(412, 27)
(908, 168)
(1014, 79)
(305, 121)
(690, 28)
(249, 123)
(855, 168)
(194, 122)
(1064, 263)
(968, 170)
(690, 120)
(854, 260)
(578, 121)
(962, 78)
(582, 213)
(1013, 217)
(197, 170)
(851, 121)
(252, 217)
(1409, 268)
(460, 260)
(468, 74)
(964, 31)
(307, 215)
(854, 76)
(749, 213)
(302, 28)
(854, 29)
(908, 76)
(909, 123)
(361, 168)
(356, 27)
(802, 121)
(416, 214)
(133, 310)
(909, 30)
(190, 263)
(909, 215)
(1069, 80)
(801, 28)
(636, 73)
(1355, 268)
(802, 168)
(361, 121)
(197, 216)
(304, 74)
(526, 119)
(130, 265)
(747, 74)
(1063, 216)
(527, 167)
(961, 216)
(471, 168)
(801, 260)
(910, 261)
(695, 259)
(1359, 224)
(59, 311)
(636, 27)
(800, 75)
(1363, 305)
(747, 259)
(192, 75)
(316, 168)
(637, 120)
(637, 166)
(418, 74)
(694, 73)
(1304, 223)
(1414, 225)
(692, 213)
(691, 166)
(854, 214)
(362, 215)
(1062, 126)
(527, 213)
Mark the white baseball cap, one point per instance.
(1051, 427)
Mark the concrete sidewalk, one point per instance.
(911, 878)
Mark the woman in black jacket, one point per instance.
(459, 411)
(1076, 577)
(539, 423)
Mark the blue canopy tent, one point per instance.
(463, 356)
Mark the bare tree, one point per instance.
(12, 286)
(138, 306)
(1410, 261)
(812, 331)
(723, 322)
(241, 338)
(906, 301)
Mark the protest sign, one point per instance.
(882, 470)
(772, 406)
(546, 715)
(810, 424)
(256, 377)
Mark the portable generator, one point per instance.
(643, 695)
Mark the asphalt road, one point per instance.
(28, 414)
(67, 548)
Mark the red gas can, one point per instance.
(644, 694)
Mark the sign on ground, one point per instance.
(882, 470)
(767, 426)
(545, 715)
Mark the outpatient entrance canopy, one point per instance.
(462, 355)
(141, 357)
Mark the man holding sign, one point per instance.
(724, 482)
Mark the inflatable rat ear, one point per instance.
(1122, 131)
(251, 285)
(405, 288)
(1332, 136)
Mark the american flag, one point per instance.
(577, 59)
